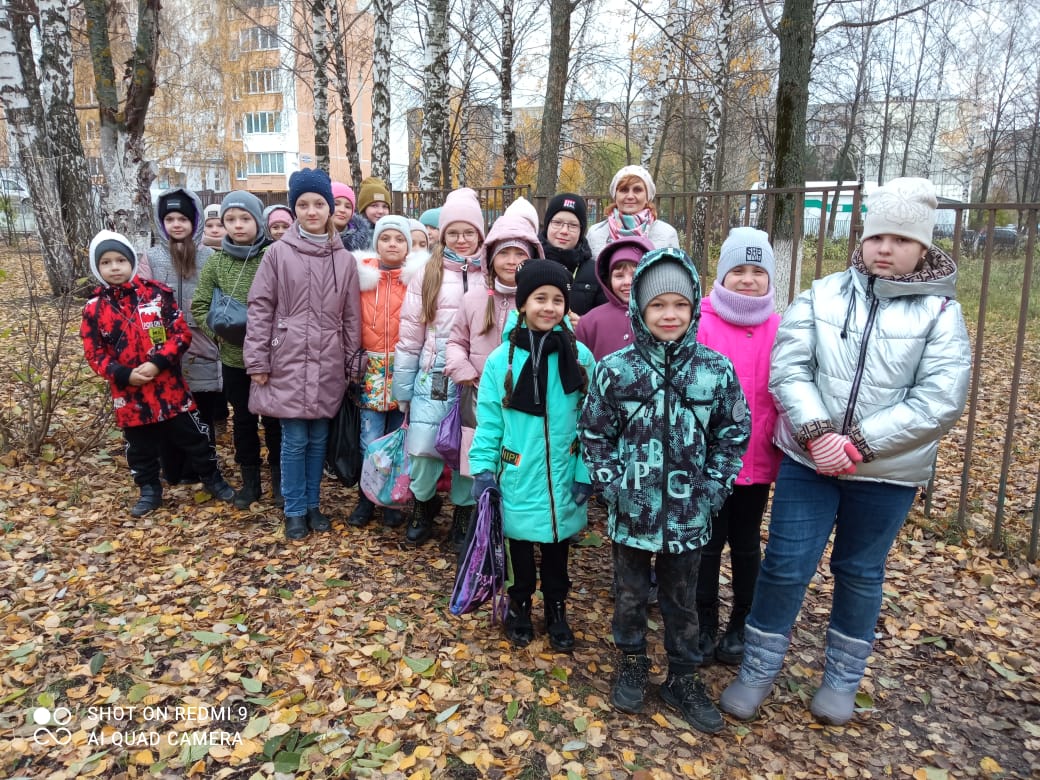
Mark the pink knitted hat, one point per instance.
(462, 205)
(341, 190)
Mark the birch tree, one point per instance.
(667, 74)
(505, 76)
(381, 45)
(343, 90)
(320, 88)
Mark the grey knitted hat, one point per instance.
(664, 276)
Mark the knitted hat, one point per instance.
(634, 170)
(746, 246)
(903, 207)
(341, 190)
(310, 180)
(415, 224)
(247, 201)
(211, 211)
(392, 222)
(178, 201)
(536, 273)
(372, 189)
(664, 276)
(568, 201)
(627, 249)
(462, 205)
(522, 207)
(110, 241)
(431, 218)
(278, 213)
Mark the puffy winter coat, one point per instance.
(304, 327)
(201, 364)
(885, 361)
(663, 431)
(382, 294)
(357, 235)
(749, 347)
(536, 460)
(126, 326)
(421, 351)
(661, 235)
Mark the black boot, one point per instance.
(629, 689)
(276, 487)
(420, 524)
(730, 649)
(150, 499)
(460, 526)
(561, 637)
(296, 527)
(708, 626)
(362, 514)
(392, 518)
(317, 520)
(250, 491)
(217, 487)
(518, 626)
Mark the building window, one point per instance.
(266, 162)
(240, 170)
(90, 130)
(236, 130)
(262, 122)
(258, 39)
(263, 80)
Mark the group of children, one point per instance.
(661, 404)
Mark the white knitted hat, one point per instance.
(903, 207)
(638, 171)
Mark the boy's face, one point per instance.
(419, 240)
(114, 268)
(375, 210)
(668, 316)
(392, 247)
(889, 255)
(178, 227)
(544, 308)
(277, 229)
(747, 280)
(621, 279)
(214, 228)
(240, 225)
(344, 211)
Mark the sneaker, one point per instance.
(629, 690)
(687, 694)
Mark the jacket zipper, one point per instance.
(386, 342)
(548, 476)
(857, 378)
(664, 445)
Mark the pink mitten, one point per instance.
(830, 454)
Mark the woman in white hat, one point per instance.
(633, 212)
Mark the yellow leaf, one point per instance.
(407, 762)
(423, 751)
(143, 757)
(661, 720)
(990, 767)
(551, 698)
(628, 756)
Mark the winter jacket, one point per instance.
(748, 347)
(126, 326)
(661, 235)
(607, 327)
(234, 277)
(304, 327)
(536, 460)
(585, 293)
(663, 431)
(885, 361)
(421, 351)
(382, 294)
(201, 364)
(357, 235)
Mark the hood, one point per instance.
(510, 227)
(200, 218)
(266, 214)
(641, 243)
(937, 277)
(644, 339)
(369, 272)
(104, 241)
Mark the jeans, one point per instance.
(676, 593)
(865, 518)
(303, 461)
(375, 425)
(245, 425)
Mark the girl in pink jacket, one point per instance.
(304, 328)
(479, 325)
(739, 320)
(421, 387)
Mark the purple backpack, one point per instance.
(482, 567)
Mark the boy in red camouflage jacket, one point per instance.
(134, 336)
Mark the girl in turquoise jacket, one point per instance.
(526, 446)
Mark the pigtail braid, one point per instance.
(508, 398)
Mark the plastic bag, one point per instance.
(482, 567)
(385, 467)
(344, 457)
(449, 436)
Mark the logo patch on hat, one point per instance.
(173, 204)
(753, 254)
(378, 196)
(568, 203)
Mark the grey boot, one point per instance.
(763, 657)
(250, 491)
(846, 661)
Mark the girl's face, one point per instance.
(392, 247)
(434, 233)
(747, 280)
(312, 212)
(115, 268)
(462, 239)
(506, 262)
(563, 230)
(344, 211)
(621, 280)
(668, 316)
(214, 228)
(630, 196)
(544, 308)
(178, 227)
(419, 240)
(277, 229)
(888, 255)
(375, 210)
(240, 226)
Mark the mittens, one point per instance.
(485, 480)
(834, 454)
(580, 491)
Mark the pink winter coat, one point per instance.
(748, 347)
(304, 325)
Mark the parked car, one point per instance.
(16, 192)
(1003, 239)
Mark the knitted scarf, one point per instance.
(629, 224)
(531, 388)
(737, 309)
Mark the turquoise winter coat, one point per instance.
(534, 459)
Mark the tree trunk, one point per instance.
(381, 48)
(912, 119)
(435, 104)
(343, 89)
(319, 60)
(664, 77)
(506, 92)
(555, 93)
(886, 119)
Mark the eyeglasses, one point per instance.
(465, 235)
(560, 225)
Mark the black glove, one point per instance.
(580, 491)
(485, 480)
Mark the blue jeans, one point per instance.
(303, 461)
(865, 518)
(375, 425)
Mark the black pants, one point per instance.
(555, 582)
(171, 457)
(739, 523)
(186, 432)
(246, 428)
(676, 586)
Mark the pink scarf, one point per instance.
(629, 224)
